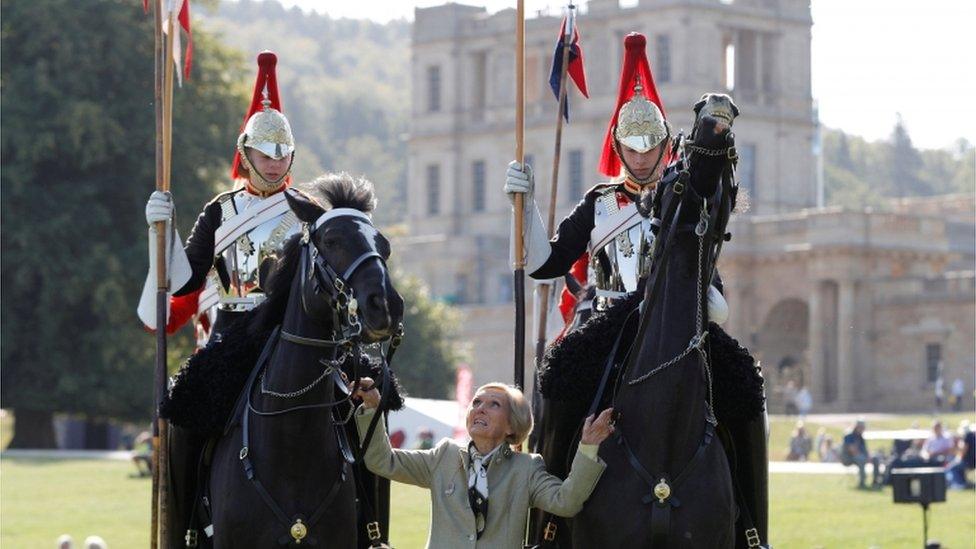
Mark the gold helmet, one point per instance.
(266, 129)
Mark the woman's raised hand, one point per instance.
(366, 392)
(597, 430)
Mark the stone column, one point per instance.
(815, 343)
(845, 344)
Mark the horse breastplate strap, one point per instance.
(244, 258)
(621, 246)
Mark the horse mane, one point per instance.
(332, 190)
(341, 190)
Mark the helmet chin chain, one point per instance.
(629, 173)
(256, 181)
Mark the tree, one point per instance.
(426, 361)
(905, 163)
(78, 163)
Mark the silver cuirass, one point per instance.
(245, 257)
(621, 246)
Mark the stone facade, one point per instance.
(787, 265)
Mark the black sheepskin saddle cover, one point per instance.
(207, 387)
(572, 368)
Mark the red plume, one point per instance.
(266, 77)
(635, 64)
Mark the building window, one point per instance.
(575, 176)
(662, 72)
(461, 289)
(505, 288)
(933, 361)
(433, 189)
(479, 65)
(434, 88)
(478, 186)
(746, 171)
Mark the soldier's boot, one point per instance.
(751, 480)
(184, 458)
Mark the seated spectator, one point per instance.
(854, 451)
(397, 438)
(818, 442)
(95, 542)
(142, 453)
(938, 448)
(828, 453)
(800, 444)
(425, 439)
(65, 542)
(965, 459)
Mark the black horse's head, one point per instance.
(714, 114)
(344, 269)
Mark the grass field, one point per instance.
(41, 499)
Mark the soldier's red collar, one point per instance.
(635, 188)
(256, 192)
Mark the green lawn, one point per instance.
(41, 499)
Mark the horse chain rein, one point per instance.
(697, 342)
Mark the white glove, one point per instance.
(518, 179)
(159, 208)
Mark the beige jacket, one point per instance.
(516, 482)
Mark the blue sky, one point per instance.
(871, 60)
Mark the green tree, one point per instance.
(426, 361)
(905, 164)
(78, 164)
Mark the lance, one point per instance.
(519, 267)
(543, 291)
(163, 98)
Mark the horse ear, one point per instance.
(700, 104)
(305, 207)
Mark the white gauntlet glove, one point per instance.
(718, 308)
(518, 179)
(159, 208)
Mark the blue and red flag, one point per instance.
(575, 69)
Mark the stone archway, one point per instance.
(783, 343)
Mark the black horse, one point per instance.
(668, 482)
(283, 474)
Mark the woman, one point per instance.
(481, 493)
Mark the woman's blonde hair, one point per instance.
(519, 411)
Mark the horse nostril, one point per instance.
(380, 311)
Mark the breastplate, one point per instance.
(621, 246)
(244, 265)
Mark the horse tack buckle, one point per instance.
(549, 534)
(373, 530)
(298, 531)
(191, 538)
(752, 537)
(662, 491)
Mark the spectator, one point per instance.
(65, 542)
(425, 439)
(142, 453)
(800, 444)
(818, 443)
(958, 390)
(939, 391)
(965, 459)
(789, 397)
(938, 448)
(95, 542)
(828, 454)
(855, 452)
(804, 401)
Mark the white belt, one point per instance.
(241, 303)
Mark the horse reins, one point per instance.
(347, 334)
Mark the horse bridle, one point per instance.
(347, 333)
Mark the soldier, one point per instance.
(227, 257)
(237, 236)
(610, 224)
(612, 230)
